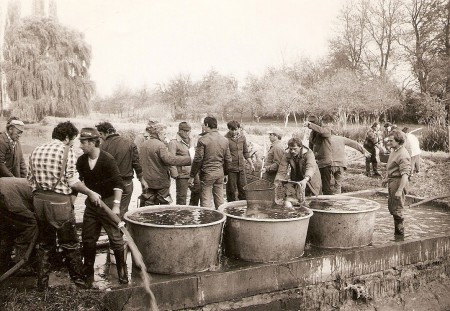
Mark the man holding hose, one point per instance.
(100, 172)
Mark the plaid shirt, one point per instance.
(45, 167)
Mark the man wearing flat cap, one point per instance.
(99, 171)
(181, 146)
(12, 163)
(274, 155)
(156, 160)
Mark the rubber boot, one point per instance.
(375, 169)
(43, 269)
(5, 256)
(399, 228)
(367, 168)
(89, 252)
(121, 264)
(75, 266)
(30, 266)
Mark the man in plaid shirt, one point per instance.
(52, 188)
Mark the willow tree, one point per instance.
(46, 66)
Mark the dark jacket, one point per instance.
(308, 167)
(126, 154)
(320, 143)
(12, 163)
(179, 147)
(212, 156)
(104, 177)
(16, 197)
(156, 161)
(238, 151)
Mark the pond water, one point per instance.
(274, 212)
(177, 217)
(350, 204)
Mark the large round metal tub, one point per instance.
(178, 249)
(341, 221)
(264, 240)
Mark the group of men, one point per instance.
(47, 194)
(105, 172)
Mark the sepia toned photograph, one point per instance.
(207, 155)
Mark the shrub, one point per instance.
(356, 132)
(435, 138)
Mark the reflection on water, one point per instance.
(341, 204)
(423, 221)
(177, 217)
(263, 212)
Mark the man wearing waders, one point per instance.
(398, 170)
(53, 176)
(371, 143)
(99, 171)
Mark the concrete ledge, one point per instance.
(325, 274)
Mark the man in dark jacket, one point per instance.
(320, 143)
(182, 146)
(12, 163)
(99, 172)
(239, 154)
(156, 161)
(373, 141)
(126, 154)
(18, 225)
(211, 161)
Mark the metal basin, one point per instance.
(177, 248)
(341, 221)
(264, 239)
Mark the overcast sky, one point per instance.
(144, 42)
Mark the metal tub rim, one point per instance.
(173, 207)
(339, 197)
(239, 203)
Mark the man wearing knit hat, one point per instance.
(12, 163)
(156, 161)
(180, 146)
